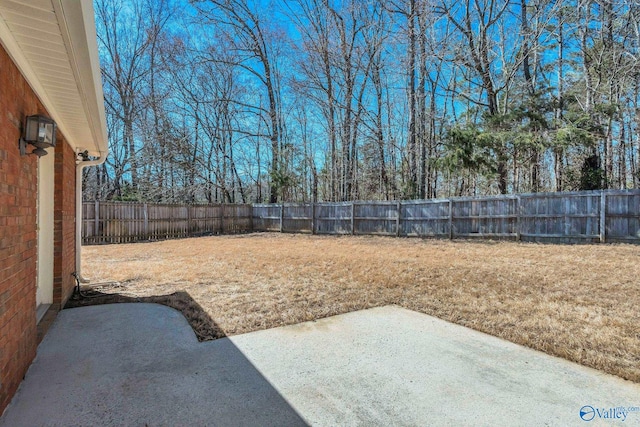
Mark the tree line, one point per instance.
(328, 100)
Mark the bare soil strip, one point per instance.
(578, 302)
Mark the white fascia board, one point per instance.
(14, 51)
(77, 24)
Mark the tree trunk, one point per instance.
(412, 179)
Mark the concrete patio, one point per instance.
(140, 364)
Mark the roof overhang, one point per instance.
(53, 43)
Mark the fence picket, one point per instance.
(594, 216)
(123, 222)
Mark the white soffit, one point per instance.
(53, 43)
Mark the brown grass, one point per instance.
(577, 302)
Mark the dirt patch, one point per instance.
(577, 302)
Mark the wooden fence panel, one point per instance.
(237, 219)
(494, 217)
(266, 217)
(375, 218)
(167, 221)
(297, 218)
(622, 217)
(333, 218)
(123, 222)
(89, 230)
(424, 218)
(566, 217)
(589, 216)
(117, 223)
(205, 219)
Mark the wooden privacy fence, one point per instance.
(595, 216)
(123, 222)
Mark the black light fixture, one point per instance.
(40, 132)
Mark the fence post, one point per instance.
(399, 209)
(221, 218)
(96, 219)
(567, 216)
(353, 220)
(450, 219)
(145, 216)
(282, 217)
(313, 218)
(518, 219)
(189, 218)
(603, 217)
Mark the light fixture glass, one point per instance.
(40, 132)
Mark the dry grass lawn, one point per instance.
(577, 302)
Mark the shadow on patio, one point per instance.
(124, 364)
(203, 325)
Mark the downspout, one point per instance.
(80, 165)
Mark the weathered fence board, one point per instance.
(622, 217)
(375, 218)
(267, 217)
(560, 216)
(297, 218)
(593, 216)
(123, 222)
(236, 219)
(424, 218)
(333, 218)
(544, 217)
(484, 217)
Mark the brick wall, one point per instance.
(64, 251)
(18, 235)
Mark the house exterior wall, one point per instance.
(18, 229)
(64, 228)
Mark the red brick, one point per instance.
(18, 237)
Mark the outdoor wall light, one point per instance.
(40, 132)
